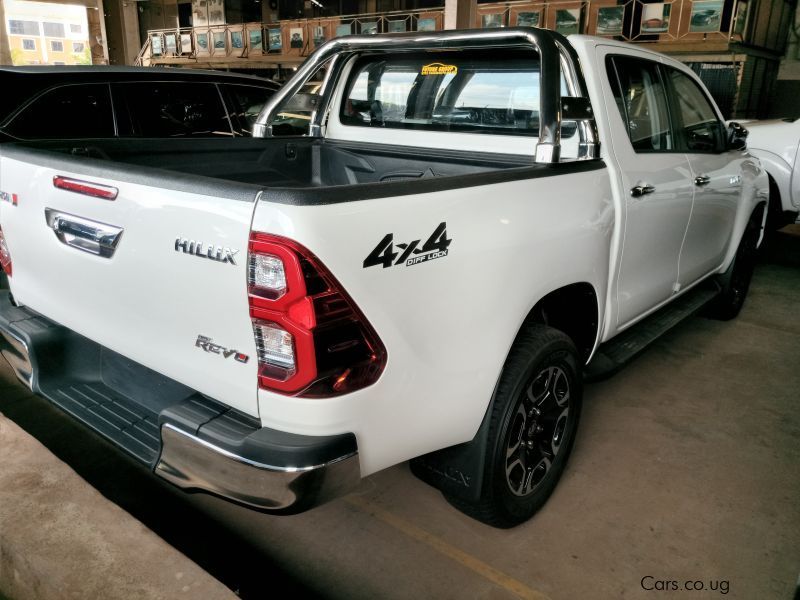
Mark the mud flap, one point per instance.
(457, 470)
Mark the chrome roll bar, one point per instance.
(548, 44)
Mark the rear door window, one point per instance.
(641, 98)
(172, 109)
(66, 112)
(469, 92)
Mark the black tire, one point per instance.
(736, 281)
(527, 452)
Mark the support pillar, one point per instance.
(466, 14)
(451, 14)
(98, 39)
(122, 29)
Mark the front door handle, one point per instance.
(640, 190)
(702, 180)
(90, 236)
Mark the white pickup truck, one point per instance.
(776, 143)
(474, 221)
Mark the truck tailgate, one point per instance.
(165, 287)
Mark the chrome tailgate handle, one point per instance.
(642, 189)
(702, 180)
(90, 236)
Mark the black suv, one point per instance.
(46, 103)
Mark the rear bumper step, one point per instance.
(184, 437)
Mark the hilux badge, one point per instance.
(217, 253)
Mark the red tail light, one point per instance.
(87, 188)
(5, 255)
(312, 339)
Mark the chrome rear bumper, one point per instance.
(196, 464)
(184, 437)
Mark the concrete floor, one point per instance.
(686, 468)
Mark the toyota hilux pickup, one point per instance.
(472, 223)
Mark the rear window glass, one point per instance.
(464, 92)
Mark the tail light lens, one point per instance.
(311, 338)
(87, 188)
(5, 255)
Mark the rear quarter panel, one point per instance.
(448, 323)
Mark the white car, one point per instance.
(776, 143)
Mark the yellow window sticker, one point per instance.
(439, 69)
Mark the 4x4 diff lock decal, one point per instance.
(384, 253)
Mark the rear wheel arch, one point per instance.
(572, 309)
(735, 281)
(775, 205)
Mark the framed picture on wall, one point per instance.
(491, 20)
(706, 16)
(186, 43)
(319, 36)
(655, 18)
(568, 21)
(156, 49)
(172, 43)
(397, 26)
(296, 37)
(237, 40)
(609, 20)
(219, 40)
(369, 27)
(274, 40)
(426, 24)
(528, 19)
(255, 39)
(202, 42)
(344, 29)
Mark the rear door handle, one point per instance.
(702, 180)
(640, 190)
(90, 236)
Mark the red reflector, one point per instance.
(5, 255)
(87, 188)
(302, 313)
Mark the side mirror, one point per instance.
(737, 136)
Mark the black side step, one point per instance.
(614, 354)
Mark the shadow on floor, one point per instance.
(223, 553)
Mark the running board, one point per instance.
(618, 351)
